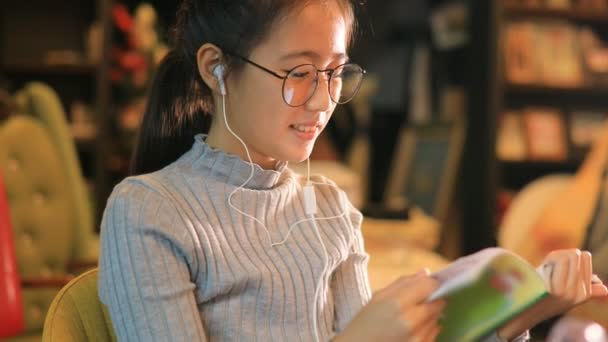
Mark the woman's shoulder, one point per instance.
(155, 185)
(142, 202)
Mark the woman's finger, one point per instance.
(396, 287)
(434, 334)
(573, 284)
(558, 274)
(427, 332)
(599, 290)
(421, 315)
(587, 272)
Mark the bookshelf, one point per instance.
(493, 92)
(46, 41)
(41, 70)
(576, 15)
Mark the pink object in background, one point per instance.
(574, 330)
(11, 303)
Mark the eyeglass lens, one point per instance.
(301, 83)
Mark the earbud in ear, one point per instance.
(218, 71)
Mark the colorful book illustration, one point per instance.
(483, 291)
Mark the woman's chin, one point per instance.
(296, 153)
(298, 157)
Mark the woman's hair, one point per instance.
(179, 102)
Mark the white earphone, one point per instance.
(310, 203)
(218, 71)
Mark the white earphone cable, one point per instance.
(311, 217)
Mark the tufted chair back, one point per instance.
(51, 241)
(41, 102)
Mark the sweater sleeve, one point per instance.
(145, 279)
(350, 282)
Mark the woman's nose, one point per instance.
(321, 100)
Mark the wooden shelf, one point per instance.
(534, 88)
(592, 96)
(86, 144)
(516, 174)
(542, 163)
(581, 16)
(51, 69)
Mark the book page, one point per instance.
(484, 290)
(463, 271)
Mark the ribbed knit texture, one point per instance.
(178, 264)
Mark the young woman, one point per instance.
(216, 239)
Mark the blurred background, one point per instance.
(480, 123)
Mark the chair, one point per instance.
(42, 103)
(50, 244)
(77, 314)
(525, 209)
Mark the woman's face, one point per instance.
(316, 34)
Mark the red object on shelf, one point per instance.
(503, 203)
(11, 303)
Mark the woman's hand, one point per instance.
(398, 312)
(568, 278)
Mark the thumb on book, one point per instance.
(599, 290)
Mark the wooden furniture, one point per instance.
(493, 92)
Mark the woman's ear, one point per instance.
(208, 57)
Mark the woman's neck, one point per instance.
(220, 138)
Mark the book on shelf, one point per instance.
(592, 5)
(554, 53)
(559, 55)
(511, 140)
(585, 127)
(519, 53)
(545, 134)
(586, 6)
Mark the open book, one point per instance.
(483, 291)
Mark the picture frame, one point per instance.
(545, 134)
(425, 167)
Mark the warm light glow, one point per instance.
(595, 333)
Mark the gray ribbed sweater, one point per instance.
(178, 264)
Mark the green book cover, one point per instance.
(483, 291)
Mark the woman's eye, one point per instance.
(299, 74)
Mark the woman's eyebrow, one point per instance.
(311, 55)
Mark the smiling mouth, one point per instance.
(305, 128)
(306, 132)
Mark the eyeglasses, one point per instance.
(300, 83)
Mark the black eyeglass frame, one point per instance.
(329, 72)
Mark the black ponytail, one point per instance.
(177, 109)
